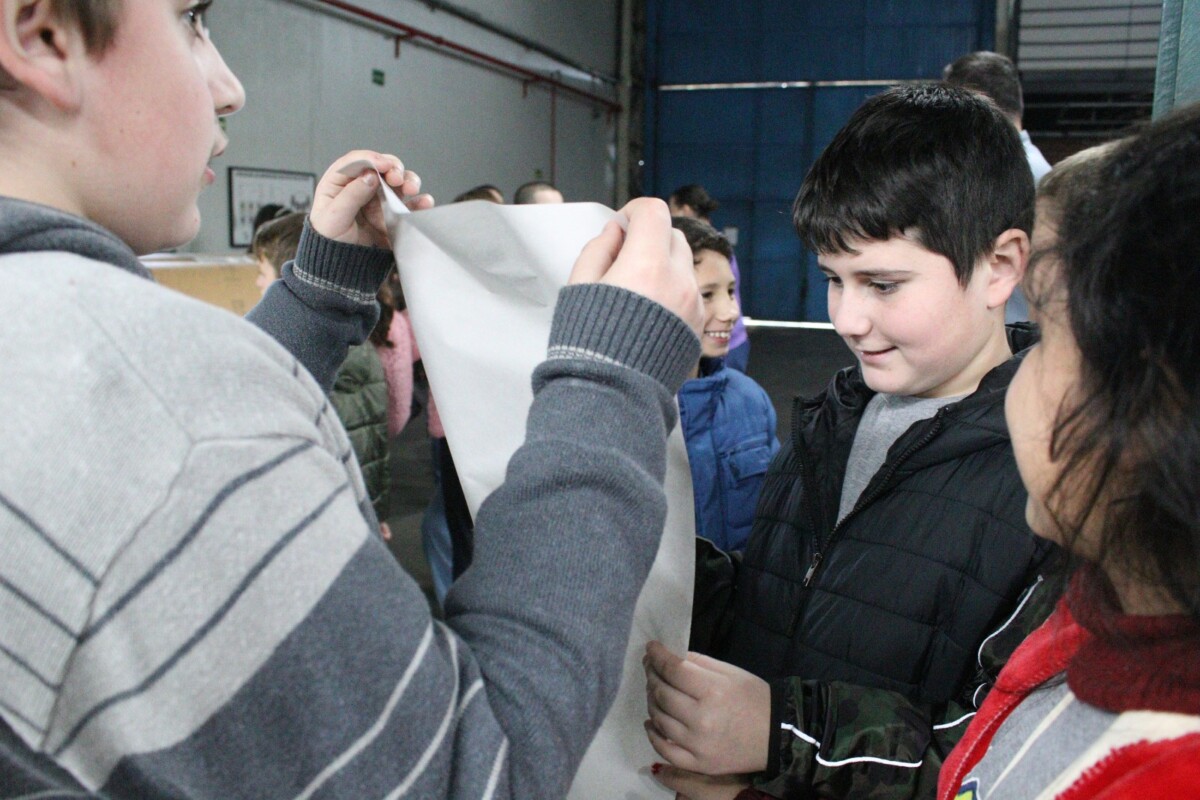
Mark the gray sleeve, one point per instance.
(324, 302)
(275, 650)
(563, 547)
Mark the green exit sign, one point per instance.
(377, 77)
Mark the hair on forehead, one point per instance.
(702, 236)
(937, 163)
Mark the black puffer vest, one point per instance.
(901, 593)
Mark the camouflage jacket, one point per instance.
(840, 740)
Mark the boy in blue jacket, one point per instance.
(728, 420)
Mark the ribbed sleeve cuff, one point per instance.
(614, 325)
(353, 270)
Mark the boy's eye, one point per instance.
(193, 17)
(706, 295)
(836, 281)
(884, 288)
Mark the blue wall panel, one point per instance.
(707, 118)
(914, 51)
(752, 148)
(804, 54)
(799, 15)
(687, 57)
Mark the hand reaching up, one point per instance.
(346, 207)
(648, 257)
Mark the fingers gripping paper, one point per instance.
(481, 281)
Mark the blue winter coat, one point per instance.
(729, 426)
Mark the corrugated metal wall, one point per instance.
(751, 146)
(1072, 35)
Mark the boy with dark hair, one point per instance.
(694, 202)
(890, 539)
(728, 420)
(193, 602)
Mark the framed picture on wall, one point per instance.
(250, 189)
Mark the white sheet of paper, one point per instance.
(481, 281)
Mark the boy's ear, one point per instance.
(1006, 263)
(39, 52)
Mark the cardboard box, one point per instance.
(225, 281)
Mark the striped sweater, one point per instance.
(193, 604)
(1094, 705)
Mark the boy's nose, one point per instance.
(228, 93)
(848, 315)
(729, 310)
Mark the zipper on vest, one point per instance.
(812, 569)
(809, 487)
(806, 504)
(866, 499)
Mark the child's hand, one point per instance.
(346, 209)
(650, 258)
(694, 786)
(705, 715)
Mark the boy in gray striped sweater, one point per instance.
(193, 602)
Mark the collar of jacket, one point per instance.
(712, 377)
(978, 419)
(33, 228)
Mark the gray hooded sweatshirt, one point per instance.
(192, 600)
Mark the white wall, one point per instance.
(310, 97)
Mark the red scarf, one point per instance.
(1131, 662)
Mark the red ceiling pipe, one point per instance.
(416, 33)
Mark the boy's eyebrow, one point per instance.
(884, 274)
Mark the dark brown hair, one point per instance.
(702, 236)
(938, 162)
(278, 240)
(1128, 438)
(697, 197)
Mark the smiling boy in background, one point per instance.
(728, 420)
